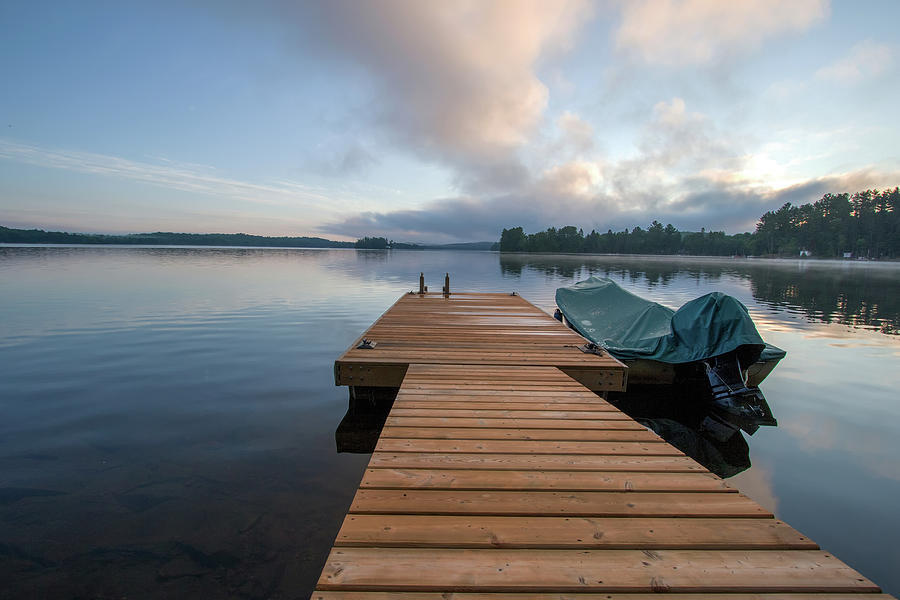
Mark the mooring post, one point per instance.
(422, 288)
(447, 284)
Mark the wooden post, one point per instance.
(447, 284)
(422, 288)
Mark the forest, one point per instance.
(164, 238)
(861, 225)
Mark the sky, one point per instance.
(441, 121)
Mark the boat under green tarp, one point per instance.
(632, 328)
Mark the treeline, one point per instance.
(865, 224)
(39, 236)
(657, 239)
(372, 243)
(380, 243)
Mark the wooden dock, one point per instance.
(471, 329)
(493, 479)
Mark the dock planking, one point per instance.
(473, 329)
(509, 482)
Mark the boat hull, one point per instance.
(652, 372)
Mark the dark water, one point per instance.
(167, 416)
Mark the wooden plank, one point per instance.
(435, 531)
(409, 354)
(459, 395)
(418, 354)
(480, 375)
(464, 479)
(523, 421)
(513, 374)
(485, 433)
(482, 378)
(531, 447)
(541, 503)
(435, 387)
(508, 414)
(726, 571)
(372, 358)
(545, 462)
(343, 595)
(450, 409)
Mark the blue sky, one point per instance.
(439, 121)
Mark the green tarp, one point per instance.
(630, 327)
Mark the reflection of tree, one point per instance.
(654, 271)
(379, 256)
(848, 294)
(552, 265)
(858, 297)
(510, 268)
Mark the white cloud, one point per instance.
(579, 178)
(686, 171)
(784, 90)
(865, 60)
(676, 141)
(673, 113)
(456, 81)
(577, 135)
(692, 32)
(573, 194)
(183, 177)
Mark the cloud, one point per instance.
(578, 178)
(446, 220)
(674, 146)
(177, 176)
(689, 202)
(756, 482)
(686, 172)
(865, 60)
(736, 205)
(698, 32)
(350, 159)
(456, 81)
(676, 175)
(577, 135)
(187, 217)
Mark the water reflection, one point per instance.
(860, 297)
(169, 414)
(857, 295)
(367, 411)
(659, 408)
(674, 413)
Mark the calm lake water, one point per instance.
(169, 414)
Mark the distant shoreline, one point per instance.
(219, 240)
(163, 238)
(656, 257)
